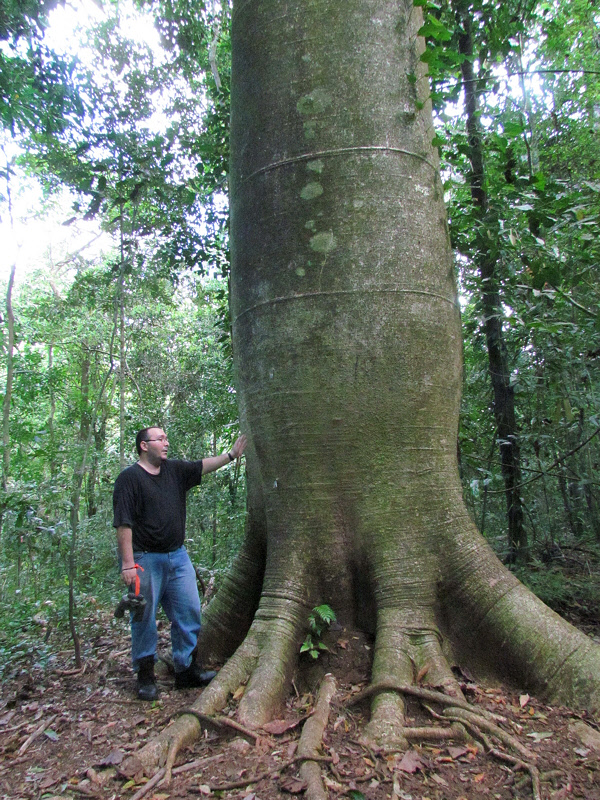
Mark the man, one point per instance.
(149, 515)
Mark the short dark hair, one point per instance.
(141, 436)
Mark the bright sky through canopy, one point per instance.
(37, 235)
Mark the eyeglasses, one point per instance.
(158, 439)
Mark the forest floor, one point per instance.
(64, 733)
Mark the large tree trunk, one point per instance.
(348, 351)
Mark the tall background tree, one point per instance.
(541, 210)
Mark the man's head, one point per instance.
(152, 444)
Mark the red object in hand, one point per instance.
(137, 580)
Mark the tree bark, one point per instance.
(10, 317)
(347, 344)
(52, 411)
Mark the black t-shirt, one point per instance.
(153, 506)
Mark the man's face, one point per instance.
(156, 445)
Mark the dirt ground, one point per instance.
(65, 734)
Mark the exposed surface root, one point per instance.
(311, 739)
(455, 733)
(476, 724)
(163, 750)
(265, 666)
(476, 721)
(403, 655)
(508, 758)
(490, 612)
(423, 694)
(392, 661)
(481, 724)
(526, 765)
(219, 723)
(309, 744)
(276, 630)
(208, 722)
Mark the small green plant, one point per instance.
(319, 620)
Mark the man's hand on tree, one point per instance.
(212, 463)
(239, 446)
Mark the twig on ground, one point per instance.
(219, 723)
(66, 673)
(533, 771)
(85, 790)
(311, 739)
(368, 776)
(114, 656)
(231, 723)
(124, 702)
(16, 727)
(37, 732)
(150, 785)
(197, 764)
(551, 775)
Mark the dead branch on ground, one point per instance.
(148, 786)
(311, 739)
(37, 732)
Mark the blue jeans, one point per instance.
(168, 579)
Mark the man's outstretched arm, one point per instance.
(212, 463)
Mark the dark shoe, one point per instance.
(193, 677)
(146, 682)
